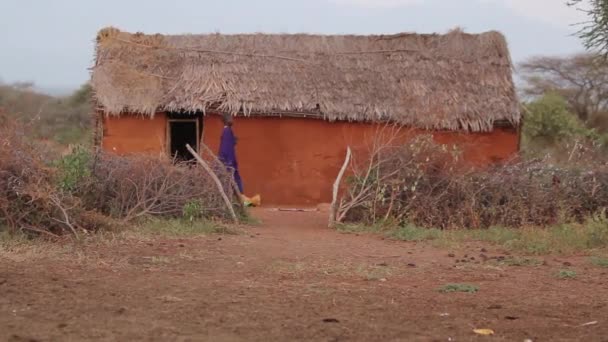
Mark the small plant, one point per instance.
(566, 274)
(246, 218)
(412, 233)
(599, 261)
(192, 210)
(597, 231)
(159, 260)
(355, 228)
(467, 288)
(74, 168)
(178, 228)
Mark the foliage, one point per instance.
(86, 191)
(594, 32)
(549, 119)
(596, 229)
(30, 199)
(519, 262)
(581, 80)
(599, 261)
(179, 228)
(550, 128)
(425, 184)
(561, 239)
(566, 274)
(192, 210)
(74, 168)
(66, 120)
(467, 288)
(413, 233)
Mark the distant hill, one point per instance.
(63, 118)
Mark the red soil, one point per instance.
(293, 279)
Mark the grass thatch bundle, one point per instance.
(451, 81)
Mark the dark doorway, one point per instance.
(183, 132)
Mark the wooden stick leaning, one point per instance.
(235, 188)
(334, 203)
(216, 180)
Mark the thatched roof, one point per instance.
(452, 81)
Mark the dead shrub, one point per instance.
(128, 187)
(428, 185)
(83, 191)
(29, 198)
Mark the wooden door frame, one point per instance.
(199, 134)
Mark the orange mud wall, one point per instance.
(294, 161)
(135, 134)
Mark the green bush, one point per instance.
(74, 168)
(550, 120)
(550, 127)
(467, 288)
(566, 274)
(192, 210)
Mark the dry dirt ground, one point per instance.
(289, 279)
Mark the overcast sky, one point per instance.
(50, 42)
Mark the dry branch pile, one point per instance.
(135, 186)
(427, 185)
(87, 192)
(29, 198)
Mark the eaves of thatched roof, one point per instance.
(455, 81)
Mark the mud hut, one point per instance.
(298, 100)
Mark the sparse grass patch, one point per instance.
(180, 227)
(361, 228)
(516, 261)
(413, 233)
(373, 273)
(600, 261)
(247, 219)
(496, 235)
(467, 288)
(19, 247)
(560, 239)
(7, 239)
(566, 274)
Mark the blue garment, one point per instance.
(227, 155)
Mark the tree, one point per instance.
(82, 96)
(582, 80)
(594, 32)
(548, 119)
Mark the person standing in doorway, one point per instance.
(227, 154)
